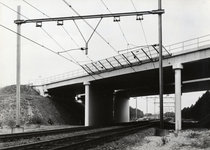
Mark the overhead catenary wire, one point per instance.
(75, 41)
(13, 10)
(117, 23)
(63, 29)
(36, 9)
(122, 34)
(27, 37)
(91, 27)
(50, 17)
(28, 18)
(143, 32)
(76, 62)
(48, 33)
(36, 43)
(70, 36)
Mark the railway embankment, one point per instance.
(35, 109)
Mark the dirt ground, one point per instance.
(196, 139)
(193, 139)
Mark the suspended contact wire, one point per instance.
(47, 32)
(117, 23)
(36, 43)
(70, 36)
(122, 34)
(76, 62)
(143, 33)
(29, 38)
(91, 27)
(14, 10)
(52, 37)
(36, 9)
(50, 17)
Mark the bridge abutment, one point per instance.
(98, 105)
(121, 108)
(178, 118)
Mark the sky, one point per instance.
(182, 20)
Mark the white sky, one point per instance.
(183, 20)
(149, 107)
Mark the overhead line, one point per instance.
(52, 37)
(122, 34)
(70, 36)
(35, 42)
(14, 10)
(31, 39)
(90, 26)
(76, 62)
(117, 23)
(143, 32)
(47, 32)
(36, 9)
(50, 17)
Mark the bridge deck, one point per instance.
(133, 57)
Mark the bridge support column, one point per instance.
(178, 118)
(121, 108)
(87, 97)
(98, 105)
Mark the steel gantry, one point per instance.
(60, 20)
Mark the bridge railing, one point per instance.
(67, 75)
(194, 43)
(59, 77)
(132, 58)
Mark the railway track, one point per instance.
(26, 135)
(86, 140)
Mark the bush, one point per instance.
(36, 120)
(11, 123)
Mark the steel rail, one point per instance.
(25, 135)
(68, 141)
(100, 139)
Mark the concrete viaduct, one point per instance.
(108, 84)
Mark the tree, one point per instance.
(140, 114)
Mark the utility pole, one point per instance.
(160, 64)
(18, 71)
(136, 109)
(146, 106)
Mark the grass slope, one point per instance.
(32, 105)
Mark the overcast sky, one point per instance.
(183, 20)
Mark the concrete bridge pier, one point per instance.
(178, 93)
(121, 108)
(98, 105)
